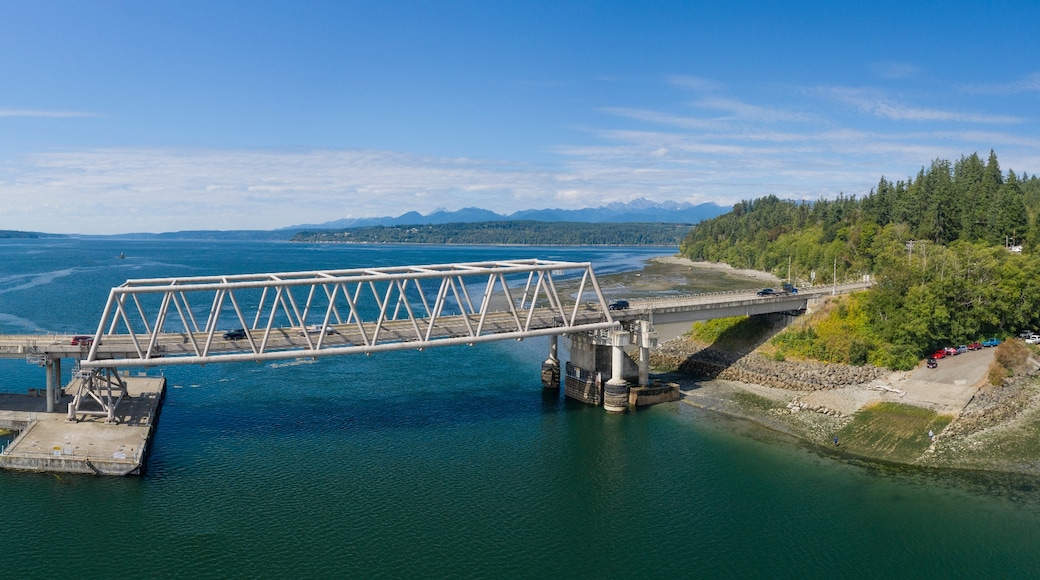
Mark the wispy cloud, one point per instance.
(895, 70)
(880, 105)
(662, 118)
(716, 147)
(44, 114)
(746, 111)
(694, 83)
(1029, 83)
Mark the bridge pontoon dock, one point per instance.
(50, 442)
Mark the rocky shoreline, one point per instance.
(815, 401)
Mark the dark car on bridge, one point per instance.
(767, 292)
(236, 334)
(618, 305)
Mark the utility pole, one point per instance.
(834, 278)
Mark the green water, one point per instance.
(453, 463)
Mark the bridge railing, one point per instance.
(807, 291)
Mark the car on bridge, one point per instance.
(316, 329)
(618, 305)
(236, 334)
(767, 292)
(82, 340)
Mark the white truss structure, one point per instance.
(99, 394)
(170, 321)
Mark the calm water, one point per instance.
(452, 463)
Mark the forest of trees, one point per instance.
(936, 245)
(508, 232)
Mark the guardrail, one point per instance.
(813, 290)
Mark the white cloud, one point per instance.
(880, 105)
(44, 114)
(745, 111)
(728, 149)
(895, 70)
(1029, 83)
(694, 83)
(662, 118)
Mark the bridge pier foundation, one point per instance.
(551, 366)
(615, 392)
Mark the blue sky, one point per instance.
(172, 115)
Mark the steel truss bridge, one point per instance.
(176, 321)
(292, 315)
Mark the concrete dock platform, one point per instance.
(49, 442)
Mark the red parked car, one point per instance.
(975, 346)
(950, 350)
(941, 353)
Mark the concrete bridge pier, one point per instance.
(551, 366)
(646, 338)
(615, 392)
(52, 367)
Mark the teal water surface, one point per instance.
(453, 463)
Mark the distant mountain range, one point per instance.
(636, 211)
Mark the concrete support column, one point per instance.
(57, 380)
(49, 368)
(644, 365)
(551, 366)
(647, 340)
(615, 393)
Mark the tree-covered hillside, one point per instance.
(968, 201)
(507, 232)
(936, 245)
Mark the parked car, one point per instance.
(766, 292)
(975, 346)
(618, 305)
(950, 351)
(1026, 333)
(991, 342)
(932, 363)
(236, 334)
(941, 353)
(962, 349)
(82, 340)
(1033, 339)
